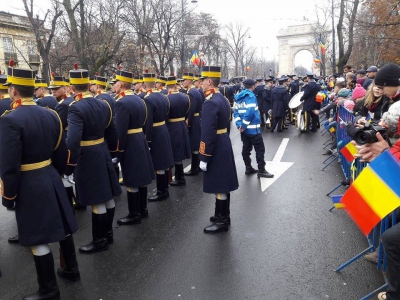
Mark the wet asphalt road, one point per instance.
(283, 243)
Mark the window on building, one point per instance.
(8, 46)
(31, 47)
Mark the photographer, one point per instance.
(388, 77)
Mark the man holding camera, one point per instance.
(389, 78)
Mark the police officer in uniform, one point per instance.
(216, 154)
(157, 135)
(95, 178)
(43, 98)
(33, 154)
(177, 128)
(193, 122)
(311, 90)
(136, 164)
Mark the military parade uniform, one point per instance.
(280, 100)
(161, 81)
(258, 93)
(136, 164)
(227, 91)
(178, 130)
(193, 124)
(267, 103)
(48, 100)
(5, 101)
(140, 92)
(157, 136)
(90, 123)
(310, 92)
(216, 154)
(33, 156)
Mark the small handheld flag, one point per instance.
(317, 60)
(375, 193)
(195, 58)
(348, 151)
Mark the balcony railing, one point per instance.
(8, 56)
(34, 58)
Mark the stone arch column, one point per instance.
(292, 40)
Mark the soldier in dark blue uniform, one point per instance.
(227, 91)
(43, 98)
(139, 89)
(311, 90)
(157, 135)
(266, 101)
(160, 85)
(33, 154)
(5, 101)
(216, 154)
(101, 94)
(260, 86)
(177, 128)
(280, 99)
(90, 123)
(136, 164)
(193, 121)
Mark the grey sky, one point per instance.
(264, 17)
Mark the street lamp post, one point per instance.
(183, 54)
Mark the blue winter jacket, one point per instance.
(246, 113)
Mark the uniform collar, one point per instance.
(101, 92)
(208, 94)
(5, 96)
(150, 91)
(83, 95)
(22, 101)
(123, 94)
(45, 95)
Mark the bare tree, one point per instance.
(43, 36)
(348, 12)
(236, 35)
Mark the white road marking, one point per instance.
(275, 166)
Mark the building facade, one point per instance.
(17, 42)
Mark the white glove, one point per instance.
(115, 160)
(203, 166)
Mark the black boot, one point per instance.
(110, 219)
(250, 170)
(221, 219)
(162, 188)
(14, 239)
(134, 210)
(68, 264)
(78, 205)
(99, 233)
(213, 218)
(194, 167)
(264, 174)
(144, 213)
(179, 176)
(46, 277)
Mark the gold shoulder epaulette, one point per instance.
(6, 113)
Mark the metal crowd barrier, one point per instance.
(351, 171)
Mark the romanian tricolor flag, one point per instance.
(336, 202)
(332, 130)
(375, 193)
(348, 151)
(323, 48)
(317, 60)
(195, 58)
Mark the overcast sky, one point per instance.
(264, 17)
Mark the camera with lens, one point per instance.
(366, 134)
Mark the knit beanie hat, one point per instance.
(349, 104)
(391, 117)
(344, 93)
(358, 92)
(388, 75)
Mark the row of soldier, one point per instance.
(146, 131)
